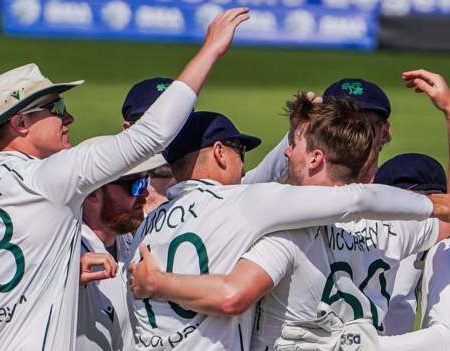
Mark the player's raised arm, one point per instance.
(81, 170)
(435, 86)
(217, 41)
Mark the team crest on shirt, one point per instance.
(109, 311)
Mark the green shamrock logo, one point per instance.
(353, 88)
(162, 86)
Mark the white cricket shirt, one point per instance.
(350, 266)
(40, 222)
(206, 227)
(403, 305)
(104, 322)
(435, 334)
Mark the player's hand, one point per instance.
(432, 84)
(441, 206)
(221, 30)
(90, 260)
(315, 99)
(144, 276)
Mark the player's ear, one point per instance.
(316, 160)
(385, 133)
(94, 197)
(126, 125)
(219, 154)
(20, 124)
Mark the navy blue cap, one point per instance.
(368, 95)
(203, 129)
(141, 96)
(413, 172)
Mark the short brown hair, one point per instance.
(338, 128)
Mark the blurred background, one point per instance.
(288, 45)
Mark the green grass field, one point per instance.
(250, 85)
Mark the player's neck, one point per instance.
(27, 149)
(106, 236)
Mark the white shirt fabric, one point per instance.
(206, 227)
(435, 332)
(40, 202)
(403, 305)
(104, 322)
(273, 168)
(363, 256)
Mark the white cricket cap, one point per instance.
(22, 86)
(145, 166)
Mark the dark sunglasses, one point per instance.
(136, 187)
(236, 146)
(57, 107)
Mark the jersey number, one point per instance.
(6, 245)
(200, 248)
(328, 298)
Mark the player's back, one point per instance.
(349, 266)
(39, 250)
(201, 230)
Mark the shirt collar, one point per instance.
(187, 186)
(18, 154)
(91, 241)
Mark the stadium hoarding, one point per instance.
(273, 22)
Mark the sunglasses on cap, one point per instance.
(136, 187)
(57, 107)
(236, 145)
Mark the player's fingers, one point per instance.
(422, 86)
(429, 77)
(87, 277)
(410, 83)
(144, 251)
(239, 19)
(110, 267)
(96, 259)
(232, 14)
(310, 95)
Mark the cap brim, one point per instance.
(249, 141)
(368, 106)
(55, 88)
(149, 164)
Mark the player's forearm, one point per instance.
(436, 338)
(306, 206)
(197, 70)
(208, 294)
(82, 169)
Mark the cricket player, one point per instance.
(375, 103)
(109, 212)
(209, 223)
(43, 184)
(419, 173)
(138, 99)
(435, 321)
(377, 108)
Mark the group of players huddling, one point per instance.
(156, 238)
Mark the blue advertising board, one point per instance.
(273, 22)
(390, 7)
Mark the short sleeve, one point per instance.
(274, 253)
